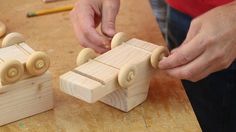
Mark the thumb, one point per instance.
(110, 9)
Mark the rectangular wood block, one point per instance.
(90, 81)
(25, 98)
(137, 52)
(98, 78)
(19, 52)
(127, 99)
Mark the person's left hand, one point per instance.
(210, 45)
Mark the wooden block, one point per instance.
(127, 99)
(26, 98)
(21, 52)
(24, 59)
(124, 54)
(77, 85)
(98, 78)
(142, 44)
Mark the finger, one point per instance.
(183, 54)
(215, 64)
(98, 49)
(86, 43)
(193, 71)
(173, 51)
(109, 11)
(194, 29)
(206, 72)
(83, 22)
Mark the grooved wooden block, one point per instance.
(18, 52)
(25, 98)
(28, 96)
(98, 78)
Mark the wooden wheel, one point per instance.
(11, 71)
(85, 55)
(37, 63)
(12, 38)
(157, 56)
(118, 39)
(2, 29)
(126, 75)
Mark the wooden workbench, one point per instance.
(166, 109)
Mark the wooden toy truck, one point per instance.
(119, 77)
(25, 84)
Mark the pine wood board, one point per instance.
(25, 98)
(19, 52)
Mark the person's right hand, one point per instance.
(86, 16)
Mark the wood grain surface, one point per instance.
(167, 107)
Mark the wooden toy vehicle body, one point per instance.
(119, 77)
(19, 61)
(23, 92)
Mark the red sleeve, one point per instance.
(195, 8)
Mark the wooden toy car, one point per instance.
(18, 59)
(26, 85)
(119, 77)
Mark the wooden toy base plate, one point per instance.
(25, 98)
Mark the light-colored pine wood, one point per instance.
(12, 38)
(98, 78)
(6, 53)
(126, 100)
(28, 95)
(90, 81)
(118, 39)
(25, 98)
(85, 55)
(20, 52)
(144, 45)
(2, 29)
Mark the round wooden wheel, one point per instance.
(11, 71)
(157, 56)
(37, 63)
(3, 29)
(126, 75)
(12, 38)
(118, 39)
(85, 55)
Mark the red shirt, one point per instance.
(195, 8)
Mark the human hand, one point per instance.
(86, 16)
(210, 46)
